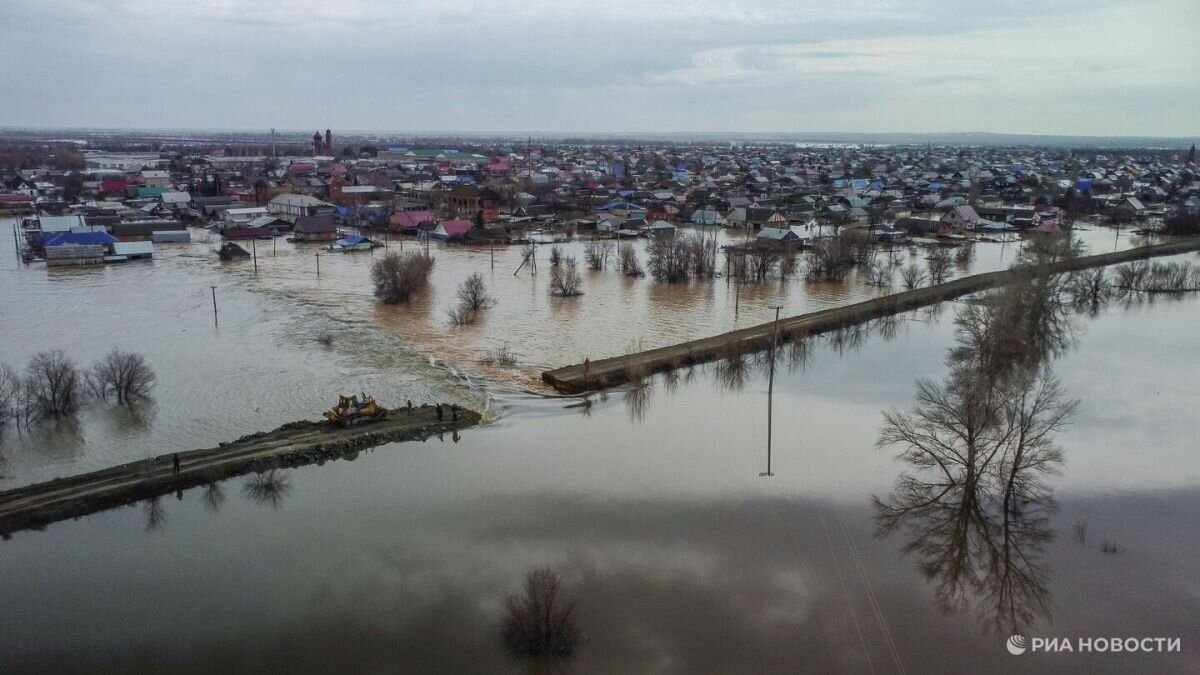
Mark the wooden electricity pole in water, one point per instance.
(318, 265)
(214, 294)
(254, 253)
(771, 386)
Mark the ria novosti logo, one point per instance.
(1019, 644)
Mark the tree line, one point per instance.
(54, 385)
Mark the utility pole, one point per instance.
(771, 387)
(318, 265)
(214, 294)
(254, 253)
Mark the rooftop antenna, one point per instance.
(272, 141)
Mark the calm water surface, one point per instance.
(649, 502)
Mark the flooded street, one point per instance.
(649, 502)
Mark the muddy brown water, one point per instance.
(680, 556)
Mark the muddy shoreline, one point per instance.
(291, 445)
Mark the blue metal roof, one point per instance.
(78, 238)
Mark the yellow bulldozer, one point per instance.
(350, 410)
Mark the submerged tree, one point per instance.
(628, 259)
(124, 375)
(53, 383)
(565, 281)
(400, 276)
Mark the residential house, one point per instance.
(961, 218)
(451, 230)
(319, 227)
(155, 178)
(464, 201)
(290, 207)
(411, 222)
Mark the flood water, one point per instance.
(649, 502)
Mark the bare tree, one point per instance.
(460, 315)
(669, 260)
(540, 620)
(123, 374)
(10, 393)
(565, 281)
(596, 253)
(761, 258)
(53, 383)
(628, 258)
(938, 265)
(860, 246)
(556, 254)
(400, 276)
(473, 294)
(879, 274)
(829, 260)
(965, 254)
(912, 276)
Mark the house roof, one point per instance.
(316, 224)
(78, 238)
(777, 234)
(298, 200)
(408, 220)
(455, 228)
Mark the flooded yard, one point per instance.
(649, 502)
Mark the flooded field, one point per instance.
(649, 502)
(265, 361)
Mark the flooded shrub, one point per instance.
(53, 383)
(628, 259)
(860, 246)
(540, 619)
(596, 253)
(668, 260)
(473, 294)
(124, 375)
(965, 253)
(556, 255)
(400, 276)
(10, 392)
(501, 356)
(1109, 547)
(326, 339)
(912, 276)
(938, 265)
(565, 281)
(829, 260)
(879, 274)
(701, 254)
(761, 258)
(460, 315)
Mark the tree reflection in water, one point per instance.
(156, 516)
(214, 497)
(978, 445)
(268, 487)
(637, 398)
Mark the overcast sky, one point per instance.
(1094, 67)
